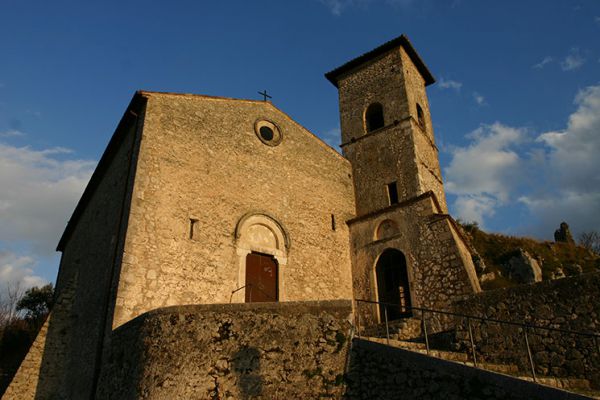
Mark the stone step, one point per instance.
(577, 385)
(421, 348)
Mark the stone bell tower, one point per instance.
(406, 249)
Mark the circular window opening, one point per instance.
(268, 132)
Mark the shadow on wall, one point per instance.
(246, 365)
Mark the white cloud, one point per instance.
(11, 133)
(571, 166)
(337, 7)
(560, 171)
(482, 174)
(449, 84)
(543, 63)
(17, 271)
(39, 191)
(479, 99)
(572, 61)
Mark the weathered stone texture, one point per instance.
(381, 372)
(90, 247)
(42, 373)
(569, 303)
(523, 268)
(437, 273)
(231, 351)
(201, 159)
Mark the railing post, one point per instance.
(357, 320)
(529, 355)
(424, 324)
(472, 342)
(387, 329)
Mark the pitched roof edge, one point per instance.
(400, 41)
(269, 103)
(321, 141)
(148, 93)
(135, 104)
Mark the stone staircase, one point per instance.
(575, 385)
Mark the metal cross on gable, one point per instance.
(265, 95)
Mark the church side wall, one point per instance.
(201, 160)
(87, 264)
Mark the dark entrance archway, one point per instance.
(392, 285)
(261, 278)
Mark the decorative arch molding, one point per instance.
(249, 227)
(260, 232)
(386, 229)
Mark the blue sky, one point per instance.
(516, 106)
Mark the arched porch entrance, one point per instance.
(392, 285)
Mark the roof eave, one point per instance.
(401, 41)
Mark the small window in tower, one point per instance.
(392, 190)
(420, 116)
(374, 117)
(193, 227)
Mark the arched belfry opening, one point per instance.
(374, 117)
(393, 291)
(261, 246)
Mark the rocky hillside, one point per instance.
(503, 260)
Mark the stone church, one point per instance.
(203, 200)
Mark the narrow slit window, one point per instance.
(420, 116)
(193, 223)
(333, 222)
(392, 190)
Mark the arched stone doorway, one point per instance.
(392, 285)
(261, 245)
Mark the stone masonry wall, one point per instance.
(201, 160)
(230, 351)
(438, 263)
(67, 349)
(381, 372)
(426, 153)
(379, 80)
(568, 303)
(42, 373)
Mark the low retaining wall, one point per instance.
(230, 351)
(570, 303)
(382, 372)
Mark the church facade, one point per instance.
(202, 200)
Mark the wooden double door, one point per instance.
(261, 278)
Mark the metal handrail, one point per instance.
(525, 327)
(520, 324)
(251, 286)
